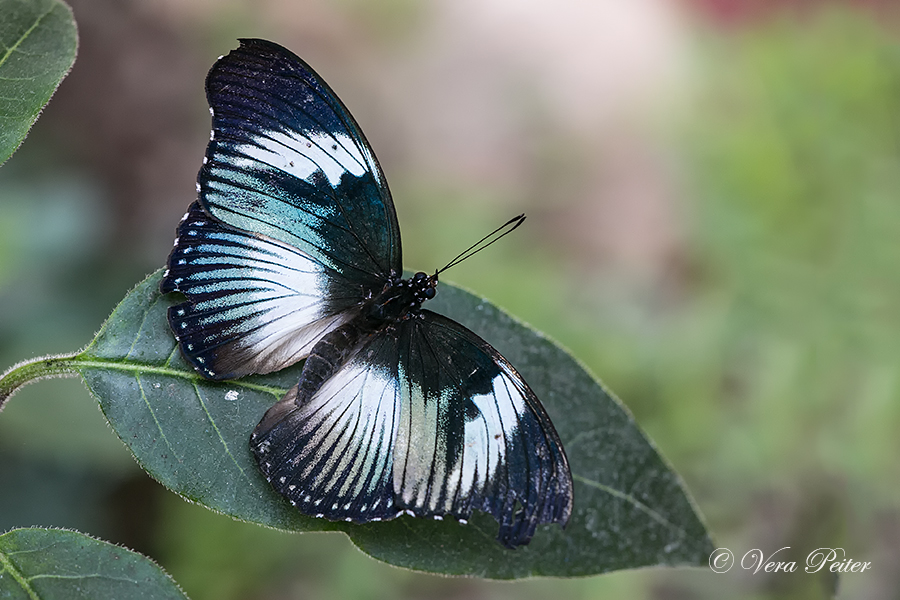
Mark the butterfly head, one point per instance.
(400, 299)
(416, 290)
(424, 286)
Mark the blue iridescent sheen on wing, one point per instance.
(254, 305)
(287, 160)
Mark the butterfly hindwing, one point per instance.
(255, 305)
(425, 418)
(473, 435)
(331, 455)
(287, 160)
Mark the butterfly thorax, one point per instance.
(399, 300)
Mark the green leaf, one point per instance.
(56, 563)
(192, 435)
(38, 41)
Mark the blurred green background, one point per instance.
(713, 191)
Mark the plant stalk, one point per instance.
(62, 365)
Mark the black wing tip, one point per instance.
(262, 44)
(256, 48)
(265, 49)
(256, 60)
(241, 57)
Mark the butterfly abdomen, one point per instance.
(396, 302)
(326, 358)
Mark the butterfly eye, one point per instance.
(429, 293)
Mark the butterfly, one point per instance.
(291, 252)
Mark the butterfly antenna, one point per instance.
(484, 242)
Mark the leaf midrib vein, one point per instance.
(10, 567)
(631, 500)
(138, 368)
(84, 576)
(24, 36)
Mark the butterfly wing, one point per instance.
(255, 305)
(332, 455)
(295, 224)
(473, 435)
(287, 160)
(426, 418)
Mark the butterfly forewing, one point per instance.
(255, 305)
(295, 224)
(287, 160)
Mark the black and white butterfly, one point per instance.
(292, 251)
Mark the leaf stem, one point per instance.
(62, 365)
(85, 361)
(70, 365)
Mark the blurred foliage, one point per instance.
(764, 363)
(796, 167)
(38, 42)
(794, 160)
